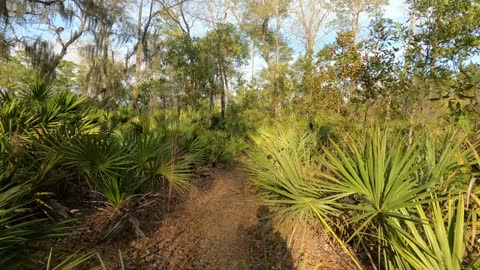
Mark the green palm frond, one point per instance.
(380, 172)
(20, 229)
(158, 156)
(116, 190)
(177, 171)
(192, 144)
(38, 92)
(281, 168)
(155, 156)
(70, 262)
(287, 177)
(76, 260)
(438, 242)
(445, 161)
(94, 155)
(15, 118)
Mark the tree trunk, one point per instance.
(212, 103)
(138, 58)
(355, 27)
(434, 47)
(277, 61)
(408, 52)
(225, 97)
(223, 86)
(253, 61)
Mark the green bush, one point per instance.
(21, 227)
(365, 190)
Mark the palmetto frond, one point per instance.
(379, 172)
(95, 156)
(438, 242)
(19, 228)
(287, 177)
(282, 169)
(38, 92)
(157, 156)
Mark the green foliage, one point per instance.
(381, 174)
(78, 260)
(438, 242)
(95, 156)
(378, 186)
(20, 227)
(221, 147)
(157, 156)
(71, 262)
(196, 108)
(49, 137)
(441, 39)
(283, 169)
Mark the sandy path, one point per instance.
(220, 228)
(210, 232)
(219, 224)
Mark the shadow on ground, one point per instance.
(267, 248)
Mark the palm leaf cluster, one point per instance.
(20, 224)
(391, 205)
(25, 116)
(50, 139)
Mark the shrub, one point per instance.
(380, 185)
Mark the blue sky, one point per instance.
(396, 10)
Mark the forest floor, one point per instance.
(217, 224)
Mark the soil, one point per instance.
(218, 224)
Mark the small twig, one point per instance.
(470, 188)
(368, 255)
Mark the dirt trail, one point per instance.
(211, 231)
(221, 227)
(218, 224)
(219, 217)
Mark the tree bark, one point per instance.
(434, 47)
(138, 58)
(408, 52)
(277, 60)
(223, 82)
(253, 61)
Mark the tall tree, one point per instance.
(442, 40)
(231, 50)
(263, 21)
(109, 20)
(53, 17)
(349, 13)
(144, 24)
(312, 15)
